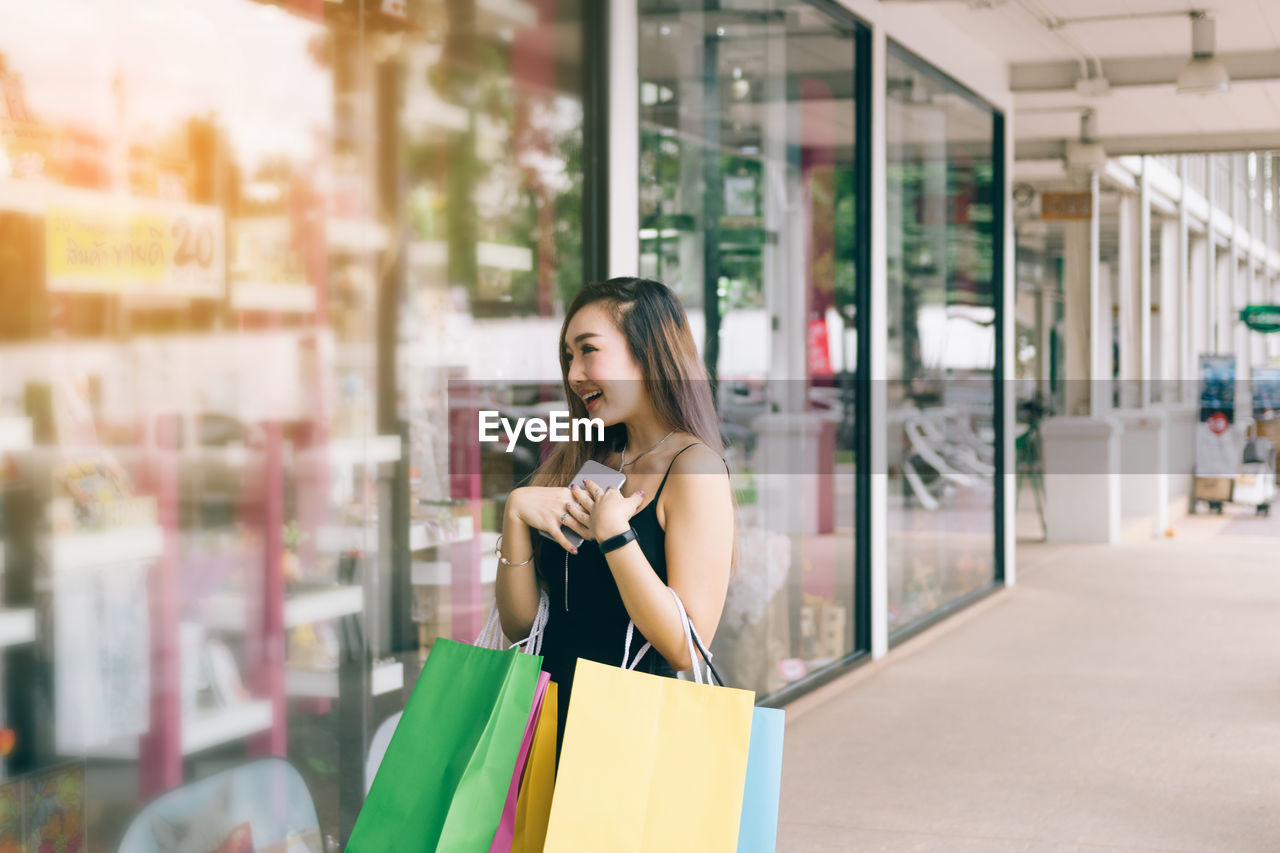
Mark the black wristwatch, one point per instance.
(613, 543)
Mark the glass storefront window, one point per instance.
(192, 515)
(251, 255)
(493, 129)
(943, 309)
(748, 137)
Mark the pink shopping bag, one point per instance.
(507, 826)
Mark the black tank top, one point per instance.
(594, 625)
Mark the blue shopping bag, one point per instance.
(758, 829)
(758, 826)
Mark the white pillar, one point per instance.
(1082, 304)
(877, 369)
(1223, 276)
(1210, 258)
(1128, 284)
(1186, 349)
(1201, 337)
(1266, 182)
(1240, 333)
(624, 138)
(1227, 337)
(1253, 342)
(1105, 345)
(1270, 294)
(1145, 372)
(1171, 268)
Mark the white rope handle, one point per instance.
(690, 632)
(533, 643)
(626, 649)
(487, 638)
(491, 636)
(687, 624)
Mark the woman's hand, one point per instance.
(604, 512)
(547, 508)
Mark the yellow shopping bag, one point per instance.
(533, 809)
(650, 765)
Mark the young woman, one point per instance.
(627, 357)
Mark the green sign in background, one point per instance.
(1262, 318)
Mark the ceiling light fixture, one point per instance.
(1204, 74)
(1086, 155)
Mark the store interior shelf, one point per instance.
(210, 728)
(303, 608)
(423, 536)
(435, 253)
(203, 729)
(229, 613)
(348, 537)
(15, 434)
(384, 678)
(359, 451)
(72, 551)
(355, 235)
(440, 573)
(17, 626)
(273, 296)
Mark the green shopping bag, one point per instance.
(443, 782)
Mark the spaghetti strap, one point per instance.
(668, 474)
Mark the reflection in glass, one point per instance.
(493, 127)
(942, 314)
(747, 140)
(202, 464)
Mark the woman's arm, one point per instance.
(516, 588)
(699, 551)
(528, 508)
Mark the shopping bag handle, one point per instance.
(696, 646)
(491, 636)
(706, 659)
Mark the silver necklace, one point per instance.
(625, 463)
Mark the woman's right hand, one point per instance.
(546, 508)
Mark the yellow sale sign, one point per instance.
(169, 249)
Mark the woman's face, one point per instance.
(601, 370)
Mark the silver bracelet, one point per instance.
(497, 550)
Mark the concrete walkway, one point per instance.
(1119, 698)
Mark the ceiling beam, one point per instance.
(1173, 143)
(1061, 75)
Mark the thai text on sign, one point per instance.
(170, 249)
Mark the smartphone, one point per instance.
(604, 477)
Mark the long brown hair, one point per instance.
(660, 341)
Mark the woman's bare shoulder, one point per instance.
(698, 458)
(699, 480)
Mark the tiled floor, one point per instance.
(1119, 698)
